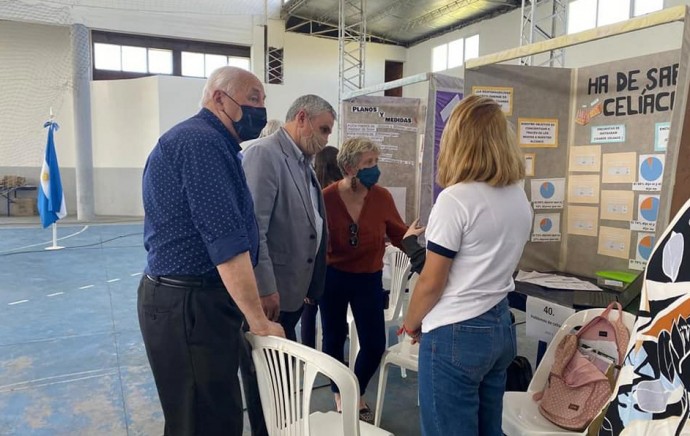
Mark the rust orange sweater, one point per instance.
(379, 217)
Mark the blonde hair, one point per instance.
(271, 127)
(479, 145)
(351, 151)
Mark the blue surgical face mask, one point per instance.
(253, 120)
(369, 176)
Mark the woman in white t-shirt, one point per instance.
(475, 236)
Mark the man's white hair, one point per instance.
(225, 79)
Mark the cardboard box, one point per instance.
(12, 181)
(23, 207)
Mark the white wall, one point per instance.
(503, 32)
(128, 116)
(207, 20)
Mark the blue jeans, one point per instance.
(462, 374)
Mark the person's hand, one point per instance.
(269, 328)
(271, 305)
(415, 335)
(415, 229)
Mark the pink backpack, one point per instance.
(577, 390)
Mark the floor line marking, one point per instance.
(86, 287)
(113, 280)
(17, 302)
(46, 243)
(135, 274)
(57, 293)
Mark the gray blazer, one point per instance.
(288, 259)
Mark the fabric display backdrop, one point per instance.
(445, 92)
(652, 396)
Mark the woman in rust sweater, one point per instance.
(360, 214)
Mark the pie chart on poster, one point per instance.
(649, 208)
(651, 169)
(545, 224)
(547, 190)
(645, 247)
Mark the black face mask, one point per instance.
(253, 120)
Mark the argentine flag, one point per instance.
(51, 200)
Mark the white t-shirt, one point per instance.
(484, 230)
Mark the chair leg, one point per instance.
(403, 371)
(354, 344)
(319, 333)
(381, 393)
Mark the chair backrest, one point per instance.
(400, 271)
(286, 372)
(578, 319)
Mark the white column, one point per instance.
(81, 80)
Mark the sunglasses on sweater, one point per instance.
(354, 240)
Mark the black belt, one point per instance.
(187, 281)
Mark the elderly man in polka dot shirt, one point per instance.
(202, 242)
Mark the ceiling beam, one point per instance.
(291, 7)
(436, 13)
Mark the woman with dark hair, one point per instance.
(326, 166)
(327, 172)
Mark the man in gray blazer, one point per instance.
(289, 210)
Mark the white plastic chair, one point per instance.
(403, 354)
(521, 415)
(400, 271)
(286, 372)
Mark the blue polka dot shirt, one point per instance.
(198, 209)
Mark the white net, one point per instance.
(36, 75)
(36, 60)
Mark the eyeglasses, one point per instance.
(354, 240)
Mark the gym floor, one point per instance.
(72, 361)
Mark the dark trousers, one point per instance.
(364, 293)
(249, 384)
(308, 325)
(192, 337)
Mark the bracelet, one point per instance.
(413, 334)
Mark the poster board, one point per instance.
(547, 164)
(614, 151)
(393, 123)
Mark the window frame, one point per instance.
(446, 45)
(177, 46)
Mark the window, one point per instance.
(588, 14)
(646, 6)
(454, 53)
(613, 11)
(121, 56)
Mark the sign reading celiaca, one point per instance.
(646, 93)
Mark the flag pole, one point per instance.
(55, 246)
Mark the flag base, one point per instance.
(55, 246)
